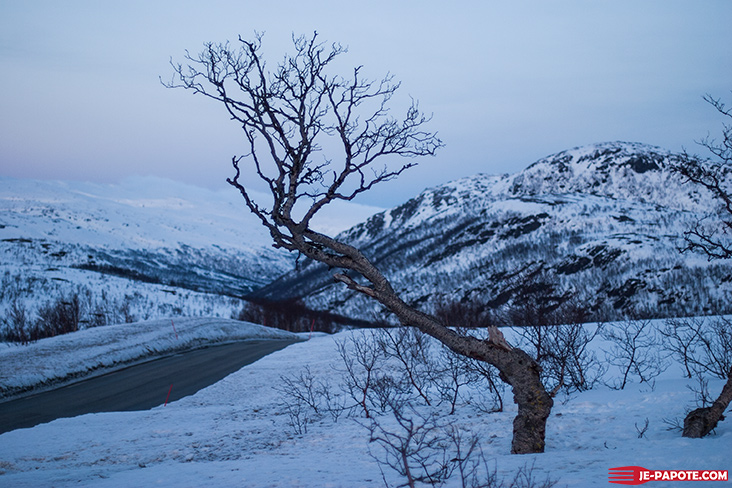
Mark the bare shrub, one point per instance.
(419, 372)
(415, 446)
(642, 429)
(634, 350)
(60, 317)
(456, 371)
(385, 374)
(18, 326)
(423, 450)
(525, 478)
(680, 337)
(411, 352)
(307, 399)
(701, 345)
(291, 315)
(492, 399)
(363, 365)
(562, 352)
(303, 389)
(465, 462)
(298, 416)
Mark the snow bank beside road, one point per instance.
(61, 358)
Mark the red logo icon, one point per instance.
(627, 475)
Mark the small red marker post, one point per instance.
(312, 326)
(168, 397)
(176, 332)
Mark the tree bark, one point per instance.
(702, 421)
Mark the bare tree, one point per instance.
(292, 112)
(713, 238)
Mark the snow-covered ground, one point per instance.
(237, 433)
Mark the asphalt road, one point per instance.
(139, 387)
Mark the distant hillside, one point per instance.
(145, 248)
(154, 245)
(598, 226)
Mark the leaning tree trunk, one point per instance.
(520, 371)
(534, 403)
(516, 367)
(702, 421)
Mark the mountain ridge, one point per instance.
(600, 224)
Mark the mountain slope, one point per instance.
(141, 249)
(598, 226)
(152, 229)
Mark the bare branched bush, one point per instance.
(456, 371)
(635, 351)
(423, 450)
(298, 415)
(18, 326)
(303, 389)
(60, 317)
(385, 373)
(701, 345)
(702, 396)
(642, 429)
(308, 399)
(492, 399)
(290, 315)
(465, 462)
(525, 478)
(414, 445)
(562, 352)
(363, 364)
(410, 352)
(680, 337)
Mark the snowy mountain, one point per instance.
(597, 226)
(143, 248)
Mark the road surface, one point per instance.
(139, 387)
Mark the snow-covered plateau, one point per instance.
(141, 249)
(239, 432)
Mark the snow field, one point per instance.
(236, 433)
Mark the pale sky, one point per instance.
(507, 82)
